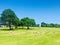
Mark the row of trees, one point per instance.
(49, 25)
(9, 17)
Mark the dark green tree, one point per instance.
(52, 25)
(9, 16)
(22, 23)
(43, 24)
(27, 22)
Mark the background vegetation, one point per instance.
(49, 25)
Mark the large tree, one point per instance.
(27, 22)
(9, 16)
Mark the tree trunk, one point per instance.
(15, 27)
(10, 26)
(27, 27)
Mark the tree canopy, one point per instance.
(27, 22)
(9, 16)
(49, 25)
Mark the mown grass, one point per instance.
(33, 36)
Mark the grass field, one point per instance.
(34, 36)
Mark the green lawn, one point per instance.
(34, 36)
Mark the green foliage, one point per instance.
(43, 24)
(16, 22)
(9, 16)
(27, 22)
(49, 25)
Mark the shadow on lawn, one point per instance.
(16, 29)
(5, 30)
(24, 29)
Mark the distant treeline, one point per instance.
(43, 24)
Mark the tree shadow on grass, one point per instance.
(16, 29)
(25, 29)
(5, 30)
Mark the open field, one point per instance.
(34, 36)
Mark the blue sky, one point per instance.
(41, 10)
